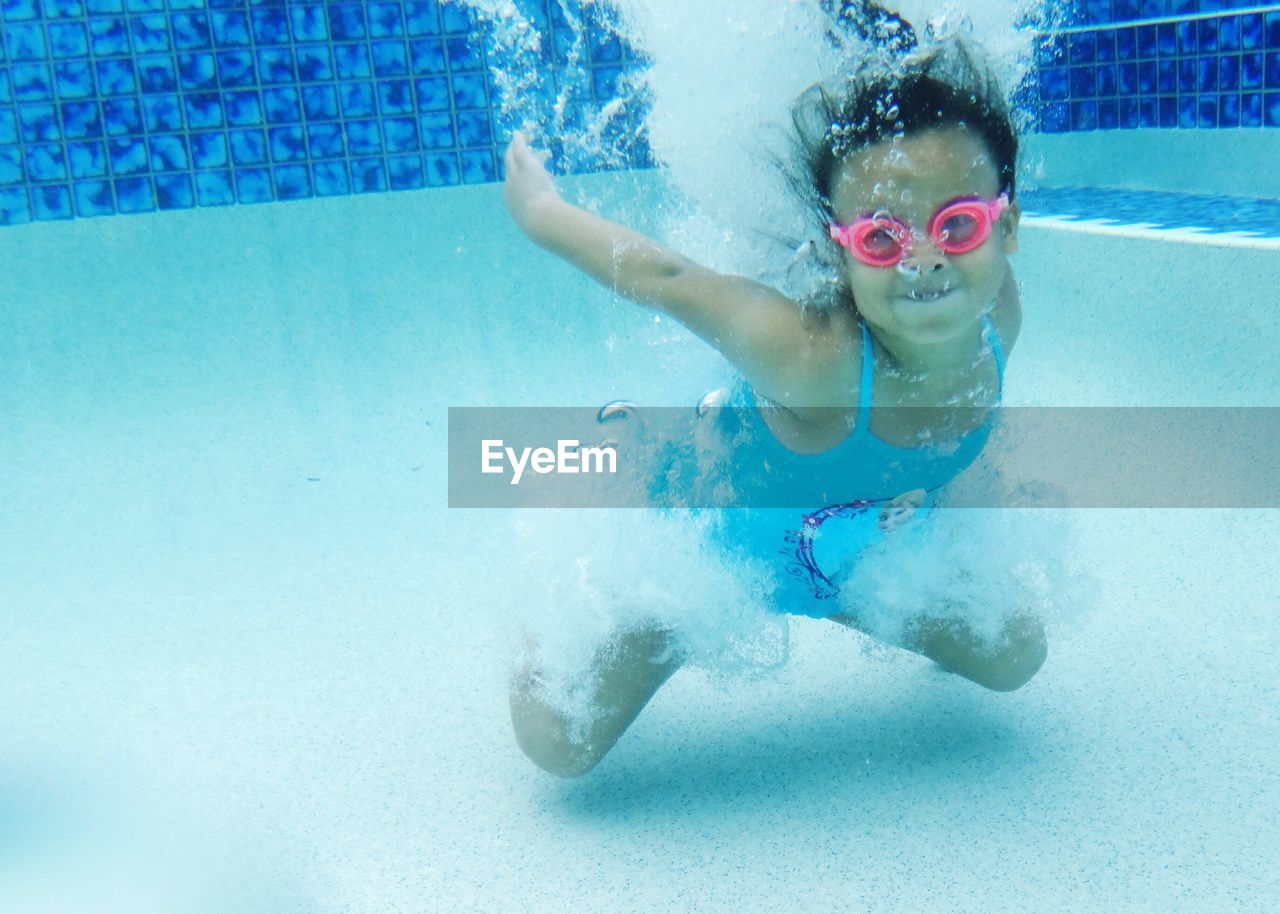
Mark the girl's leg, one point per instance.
(625, 674)
(1009, 664)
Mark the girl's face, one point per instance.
(929, 296)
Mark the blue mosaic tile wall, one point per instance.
(1204, 70)
(125, 106)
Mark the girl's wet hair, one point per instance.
(947, 85)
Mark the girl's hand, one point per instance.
(528, 190)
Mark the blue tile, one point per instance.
(437, 131)
(11, 171)
(191, 31)
(320, 102)
(368, 176)
(1167, 39)
(287, 144)
(1271, 29)
(1229, 34)
(604, 47)
(14, 208)
(155, 74)
(235, 68)
(1126, 44)
(197, 71)
(1127, 79)
(52, 202)
(1206, 74)
(31, 82)
(1129, 119)
(86, 160)
(389, 58)
(477, 166)
(1228, 73)
(1186, 37)
(1273, 69)
(400, 134)
(104, 6)
(121, 116)
(314, 63)
(1147, 112)
(168, 153)
(473, 128)
(8, 127)
(605, 81)
(1187, 76)
(94, 198)
(26, 42)
(174, 192)
(433, 94)
(128, 157)
(150, 33)
(6, 90)
(115, 77)
(16, 10)
(293, 182)
(346, 21)
(39, 123)
(248, 147)
(81, 120)
(270, 25)
(456, 18)
(352, 61)
(1251, 71)
(1251, 32)
(469, 92)
(243, 109)
(1105, 43)
(1228, 110)
(325, 140)
(68, 39)
(1207, 37)
(275, 65)
(384, 20)
(253, 185)
(230, 28)
(1147, 43)
(442, 169)
(1167, 110)
(1207, 112)
(1167, 76)
(1084, 115)
(363, 137)
(143, 6)
(1271, 109)
(46, 162)
(331, 179)
(464, 55)
(395, 97)
(422, 18)
(1081, 48)
(309, 23)
(204, 110)
(1251, 110)
(1083, 82)
(209, 150)
(108, 37)
(213, 188)
(426, 56)
(74, 78)
(1106, 79)
(357, 99)
(405, 173)
(1186, 113)
(281, 105)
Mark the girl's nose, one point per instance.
(921, 259)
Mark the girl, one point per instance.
(911, 173)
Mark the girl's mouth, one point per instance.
(929, 294)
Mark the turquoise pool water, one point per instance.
(252, 663)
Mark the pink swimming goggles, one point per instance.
(960, 226)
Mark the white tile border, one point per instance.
(1188, 235)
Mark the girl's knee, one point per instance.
(547, 736)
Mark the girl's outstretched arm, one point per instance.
(757, 328)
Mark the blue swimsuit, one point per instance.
(853, 482)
